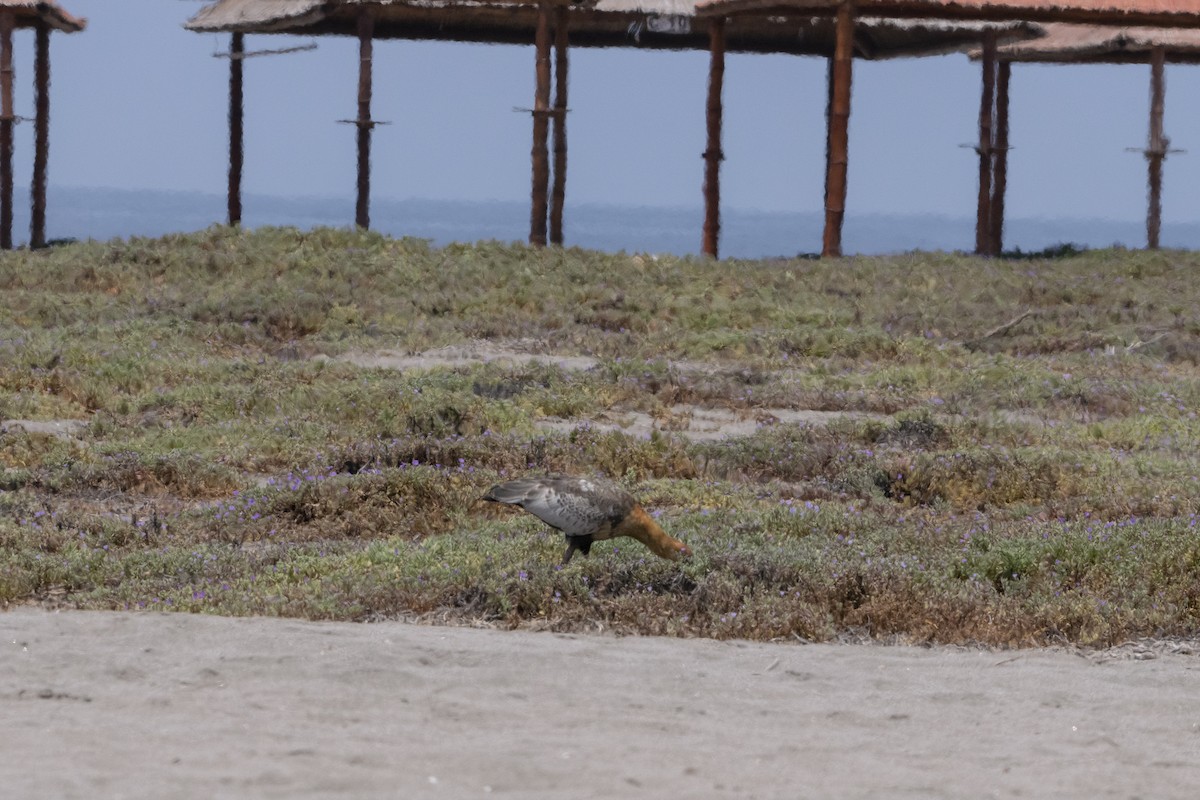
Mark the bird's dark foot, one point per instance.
(581, 543)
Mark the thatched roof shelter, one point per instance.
(1103, 44)
(994, 102)
(31, 13)
(1159, 13)
(43, 16)
(656, 24)
(650, 24)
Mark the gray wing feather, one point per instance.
(575, 506)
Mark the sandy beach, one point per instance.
(113, 705)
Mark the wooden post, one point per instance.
(41, 151)
(366, 33)
(983, 219)
(839, 133)
(710, 241)
(236, 59)
(1000, 163)
(558, 194)
(7, 23)
(1156, 151)
(541, 128)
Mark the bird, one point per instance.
(587, 510)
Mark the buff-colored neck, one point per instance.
(641, 526)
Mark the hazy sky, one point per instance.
(138, 102)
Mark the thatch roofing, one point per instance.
(1105, 44)
(1167, 13)
(879, 38)
(28, 13)
(660, 24)
(256, 16)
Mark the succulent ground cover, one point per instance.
(252, 423)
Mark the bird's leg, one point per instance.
(571, 548)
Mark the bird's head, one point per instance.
(681, 549)
(641, 526)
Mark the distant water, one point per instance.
(108, 213)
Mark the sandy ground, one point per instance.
(109, 705)
(685, 420)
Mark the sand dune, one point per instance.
(99, 704)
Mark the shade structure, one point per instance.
(1159, 13)
(1165, 13)
(42, 18)
(31, 13)
(1097, 44)
(653, 24)
(1104, 44)
(643, 24)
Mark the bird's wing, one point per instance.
(575, 506)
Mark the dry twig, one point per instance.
(999, 330)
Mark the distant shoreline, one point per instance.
(90, 213)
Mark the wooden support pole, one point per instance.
(7, 23)
(236, 158)
(1000, 163)
(1156, 151)
(41, 136)
(839, 133)
(541, 128)
(366, 34)
(710, 241)
(558, 194)
(983, 219)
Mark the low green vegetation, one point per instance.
(1005, 451)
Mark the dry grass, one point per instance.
(1034, 479)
